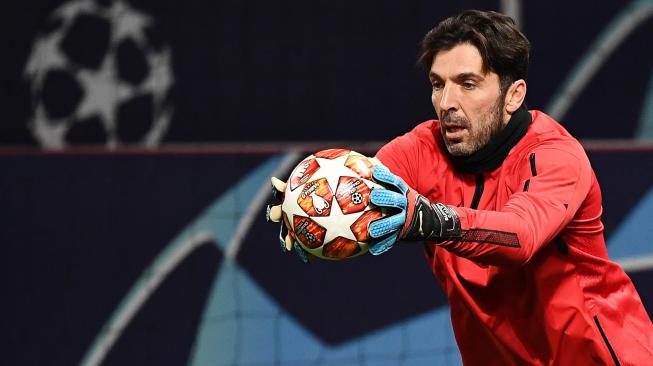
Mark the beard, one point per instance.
(479, 133)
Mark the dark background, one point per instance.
(325, 70)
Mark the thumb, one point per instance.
(274, 213)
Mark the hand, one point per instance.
(417, 218)
(274, 214)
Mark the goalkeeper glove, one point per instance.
(418, 218)
(274, 214)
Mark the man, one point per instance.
(510, 209)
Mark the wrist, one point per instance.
(429, 221)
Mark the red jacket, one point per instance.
(530, 282)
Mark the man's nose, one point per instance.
(448, 99)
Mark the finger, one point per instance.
(283, 235)
(278, 188)
(289, 243)
(387, 198)
(383, 175)
(273, 213)
(383, 245)
(301, 253)
(278, 184)
(386, 225)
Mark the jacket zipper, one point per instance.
(607, 343)
(532, 160)
(480, 185)
(563, 248)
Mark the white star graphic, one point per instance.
(160, 76)
(46, 55)
(338, 223)
(49, 130)
(290, 206)
(103, 91)
(70, 10)
(128, 23)
(332, 170)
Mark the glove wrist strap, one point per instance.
(431, 221)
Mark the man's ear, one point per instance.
(515, 96)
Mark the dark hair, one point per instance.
(503, 48)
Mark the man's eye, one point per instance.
(469, 85)
(436, 85)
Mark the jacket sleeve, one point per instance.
(531, 218)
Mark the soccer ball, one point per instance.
(99, 74)
(326, 205)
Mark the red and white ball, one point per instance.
(327, 207)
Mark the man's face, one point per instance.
(468, 101)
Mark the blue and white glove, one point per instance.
(416, 218)
(273, 213)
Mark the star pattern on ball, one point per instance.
(338, 223)
(332, 170)
(291, 207)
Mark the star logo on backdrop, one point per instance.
(128, 22)
(47, 54)
(101, 85)
(105, 90)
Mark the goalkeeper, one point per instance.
(509, 209)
